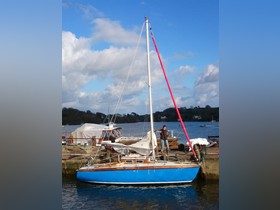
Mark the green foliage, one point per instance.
(71, 116)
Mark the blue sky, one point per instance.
(99, 42)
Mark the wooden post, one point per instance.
(108, 152)
(93, 141)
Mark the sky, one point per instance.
(104, 67)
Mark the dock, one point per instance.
(75, 156)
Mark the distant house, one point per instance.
(163, 117)
(197, 117)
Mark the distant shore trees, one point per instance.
(71, 116)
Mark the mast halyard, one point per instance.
(150, 85)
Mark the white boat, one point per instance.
(96, 134)
(140, 167)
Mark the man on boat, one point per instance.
(163, 139)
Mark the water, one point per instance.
(198, 195)
(194, 129)
(77, 195)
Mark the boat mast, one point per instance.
(150, 84)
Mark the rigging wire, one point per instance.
(125, 83)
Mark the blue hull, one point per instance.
(139, 176)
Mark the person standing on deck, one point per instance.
(163, 139)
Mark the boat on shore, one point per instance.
(137, 163)
(96, 134)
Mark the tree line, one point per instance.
(71, 116)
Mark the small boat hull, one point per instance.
(133, 175)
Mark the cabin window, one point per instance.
(105, 135)
(116, 133)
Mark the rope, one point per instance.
(93, 158)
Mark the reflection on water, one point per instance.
(77, 195)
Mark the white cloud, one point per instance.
(107, 68)
(165, 102)
(83, 64)
(182, 70)
(112, 32)
(73, 48)
(206, 90)
(88, 11)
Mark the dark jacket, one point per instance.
(163, 134)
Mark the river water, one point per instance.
(197, 195)
(194, 129)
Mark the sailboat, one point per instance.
(140, 167)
